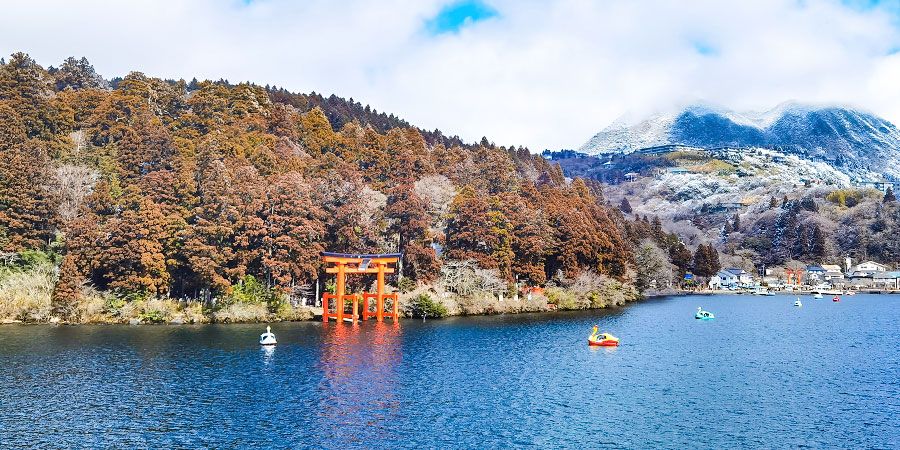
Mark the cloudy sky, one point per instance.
(544, 74)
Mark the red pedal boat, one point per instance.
(836, 299)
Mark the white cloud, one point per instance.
(545, 74)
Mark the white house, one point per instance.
(730, 277)
(723, 279)
(815, 274)
(743, 277)
(869, 266)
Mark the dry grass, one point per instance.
(25, 295)
(242, 312)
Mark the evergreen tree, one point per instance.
(625, 206)
(27, 208)
(681, 257)
(889, 196)
(737, 222)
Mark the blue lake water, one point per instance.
(763, 374)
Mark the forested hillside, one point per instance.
(158, 188)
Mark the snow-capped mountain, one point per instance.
(854, 142)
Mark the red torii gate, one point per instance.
(344, 264)
(790, 273)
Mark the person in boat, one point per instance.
(594, 333)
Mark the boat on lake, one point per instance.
(836, 299)
(797, 303)
(704, 315)
(603, 339)
(267, 338)
(818, 296)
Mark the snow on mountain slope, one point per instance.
(855, 143)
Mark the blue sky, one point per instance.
(538, 73)
(456, 15)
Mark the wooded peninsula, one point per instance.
(151, 200)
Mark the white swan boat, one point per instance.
(267, 338)
(797, 303)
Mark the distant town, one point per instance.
(868, 275)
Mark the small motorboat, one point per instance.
(836, 299)
(769, 294)
(704, 315)
(603, 339)
(267, 338)
(850, 293)
(818, 296)
(797, 303)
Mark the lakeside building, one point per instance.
(886, 280)
(730, 278)
(815, 274)
(833, 272)
(879, 185)
(869, 266)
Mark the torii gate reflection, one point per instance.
(343, 264)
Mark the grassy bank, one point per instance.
(26, 291)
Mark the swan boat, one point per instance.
(603, 339)
(704, 315)
(267, 338)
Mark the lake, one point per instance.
(762, 374)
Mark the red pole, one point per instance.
(396, 308)
(355, 307)
(365, 302)
(325, 306)
(339, 290)
(380, 301)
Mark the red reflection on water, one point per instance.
(359, 364)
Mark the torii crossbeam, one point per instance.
(342, 264)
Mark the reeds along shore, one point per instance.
(25, 297)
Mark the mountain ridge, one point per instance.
(858, 143)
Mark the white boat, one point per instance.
(818, 296)
(797, 303)
(267, 338)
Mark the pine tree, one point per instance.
(773, 202)
(681, 257)
(27, 208)
(889, 196)
(706, 261)
(625, 206)
(737, 222)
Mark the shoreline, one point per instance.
(314, 314)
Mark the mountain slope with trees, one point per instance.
(140, 190)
